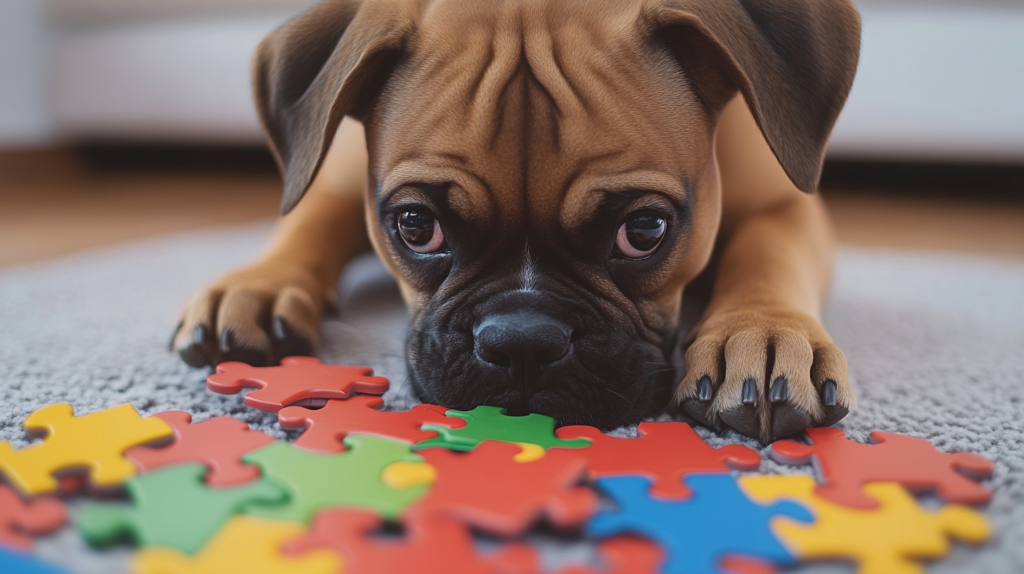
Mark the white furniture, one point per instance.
(938, 80)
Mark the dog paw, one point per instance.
(766, 374)
(257, 315)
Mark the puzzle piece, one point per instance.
(328, 425)
(487, 489)
(666, 453)
(491, 423)
(296, 379)
(844, 466)
(19, 520)
(884, 540)
(623, 555)
(219, 443)
(430, 545)
(718, 521)
(95, 441)
(746, 565)
(245, 544)
(172, 507)
(352, 478)
(13, 561)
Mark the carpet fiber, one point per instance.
(935, 345)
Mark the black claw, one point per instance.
(704, 389)
(749, 396)
(194, 353)
(281, 329)
(829, 390)
(780, 390)
(174, 336)
(226, 339)
(287, 342)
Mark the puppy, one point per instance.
(545, 179)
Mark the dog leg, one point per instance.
(760, 361)
(274, 307)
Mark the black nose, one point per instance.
(521, 340)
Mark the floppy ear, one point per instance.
(793, 61)
(316, 69)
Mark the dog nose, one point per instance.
(524, 339)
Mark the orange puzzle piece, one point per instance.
(844, 466)
(325, 427)
(488, 489)
(19, 520)
(666, 452)
(296, 379)
(219, 443)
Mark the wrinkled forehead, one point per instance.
(537, 105)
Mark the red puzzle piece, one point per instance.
(431, 545)
(20, 520)
(330, 424)
(666, 453)
(746, 565)
(298, 378)
(487, 489)
(219, 443)
(624, 555)
(844, 466)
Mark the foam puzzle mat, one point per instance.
(432, 490)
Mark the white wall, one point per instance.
(24, 119)
(937, 81)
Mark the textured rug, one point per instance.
(935, 345)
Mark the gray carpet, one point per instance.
(935, 345)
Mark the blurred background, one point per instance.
(122, 119)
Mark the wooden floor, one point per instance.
(48, 209)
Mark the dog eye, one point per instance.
(640, 235)
(420, 230)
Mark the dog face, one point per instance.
(543, 184)
(544, 209)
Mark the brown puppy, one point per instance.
(545, 178)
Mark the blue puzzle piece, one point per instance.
(15, 562)
(718, 521)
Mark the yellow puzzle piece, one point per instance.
(95, 442)
(404, 474)
(885, 540)
(244, 544)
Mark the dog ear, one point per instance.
(327, 63)
(793, 61)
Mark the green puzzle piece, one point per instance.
(491, 423)
(172, 507)
(351, 478)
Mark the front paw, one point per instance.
(257, 316)
(767, 374)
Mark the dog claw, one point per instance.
(233, 352)
(749, 395)
(704, 389)
(287, 342)
(829, 393)
(834, 412)
(780, 390)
